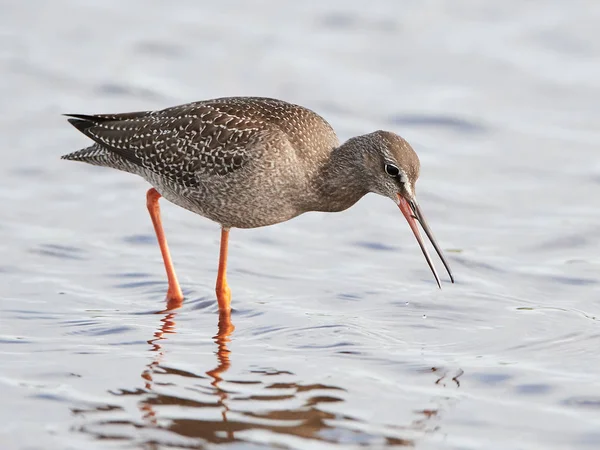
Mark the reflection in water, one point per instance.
(222, 338)
(444, 376)
(178, 407)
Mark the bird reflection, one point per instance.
(221, 339)
(167, 327)
(181, 405)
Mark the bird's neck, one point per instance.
(340, 182)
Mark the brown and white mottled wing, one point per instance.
(187, 143)
(177, 144)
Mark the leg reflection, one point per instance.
(183, 402)
(221, 339)
(167, 327)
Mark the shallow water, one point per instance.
(341, 338)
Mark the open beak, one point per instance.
(412, 213)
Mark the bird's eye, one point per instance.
(392, 170)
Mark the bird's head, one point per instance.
(392, 168)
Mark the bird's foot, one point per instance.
(225, 325)
(224, 298)
(174, 298)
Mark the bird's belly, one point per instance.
(233, 205)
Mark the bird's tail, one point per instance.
(94, 154)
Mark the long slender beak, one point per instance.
(412, 212)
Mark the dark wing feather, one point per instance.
(92, 126)
(99, 118)
(213, 137)
(178, 143)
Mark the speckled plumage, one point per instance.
(246, 162)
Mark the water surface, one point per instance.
(341, 339)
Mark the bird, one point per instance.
(249, 162)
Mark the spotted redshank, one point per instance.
(247, 162)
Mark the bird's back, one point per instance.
(208, 133)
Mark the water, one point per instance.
(341, 338)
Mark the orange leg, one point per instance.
(222, 289)
(174, 294)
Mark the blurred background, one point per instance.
(342, 339)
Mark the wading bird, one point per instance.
(247, 162)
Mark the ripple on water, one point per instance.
(583, 402)
(8, 339)
(227, 401)
(573, 281)
(438, 121)
(140, 239)
(146, 285)
(203, 408)
(201, 303)
(60, 251)
(102, 330)
(121, 90)
(490, 378)
(140, 284)
(533, 389)
(377, 246)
